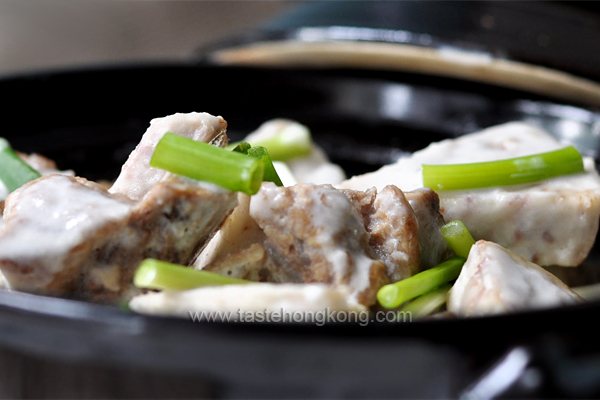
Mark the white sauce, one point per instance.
(337, 226)
(247, 298)
(316, 168)
(552, 222)
(51, 217)
(391, 215)
(514, 139)
(495, 280)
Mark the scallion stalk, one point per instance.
(395, 294)
(458, 238)
(14, 172)
(240, 147)
(262, 155)
(160, 275)
(204, 162)
(512, 171)
(428, 303)
(291, 142)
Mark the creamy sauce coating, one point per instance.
(552, 222)
(248, 298)
(75, 212)
(495, 280)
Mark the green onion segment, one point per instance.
(398, 293)
(512, 171)
(240, 147)
(204, 162)
(160, 275)
(428, 303)
(14, 172)
(458, 238)
(287, 144)
(262, 155)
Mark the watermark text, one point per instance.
(316, 317)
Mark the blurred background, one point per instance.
(41, 34)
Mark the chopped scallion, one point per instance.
(458, 238)
(160, 275)
(241, 147)
(398, 293)
(513, 171)
(291, 142)
(204, 162)
(428, 303)
(262, 155)
(14, 172)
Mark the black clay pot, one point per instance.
(89, 121)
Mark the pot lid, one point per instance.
(548, 48)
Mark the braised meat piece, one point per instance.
(426, 205)
(137, 177)
(67, 236)
(172, 223)
(392, 227)
(315, 234)
(241, 249)
(51, 227)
